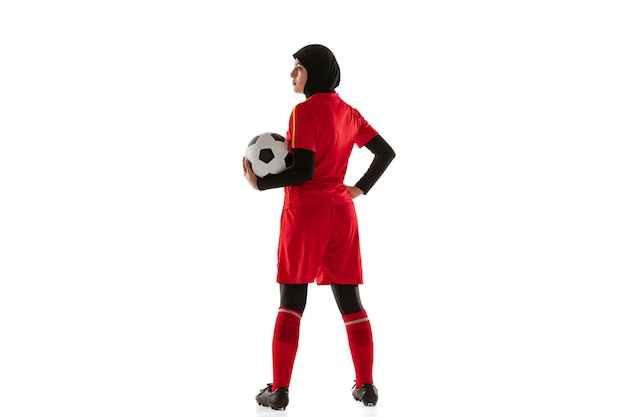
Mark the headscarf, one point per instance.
(323, 73)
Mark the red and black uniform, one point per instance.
(319, 238)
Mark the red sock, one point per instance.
(285, 345)
(361, 346)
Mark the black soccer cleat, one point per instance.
(367, 394)
(278, 399)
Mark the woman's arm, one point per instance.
(301, 171)
(383, 155)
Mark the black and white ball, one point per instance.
(269, 153)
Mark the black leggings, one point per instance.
(348, 299)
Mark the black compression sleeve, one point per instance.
(383, 155)
(301, 171)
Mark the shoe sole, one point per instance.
(365, 403)
(273, 408)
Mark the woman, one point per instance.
(319, 239)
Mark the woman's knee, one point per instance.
(293, 296)
(348, 298)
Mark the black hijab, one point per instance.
(322, 69)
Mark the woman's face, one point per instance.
(299, 77)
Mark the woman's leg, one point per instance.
(358, 329)
(287, 332)
(348, 298)
(293, 296)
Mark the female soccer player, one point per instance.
(319, 237)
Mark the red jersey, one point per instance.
(328, 126)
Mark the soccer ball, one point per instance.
(269, 153)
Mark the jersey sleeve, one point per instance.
(301, 130)
(365, 132)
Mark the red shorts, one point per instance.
(321, 244)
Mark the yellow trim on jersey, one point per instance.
(293, 127)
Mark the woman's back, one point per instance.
(328, 126)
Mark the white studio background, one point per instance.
(137, 266)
